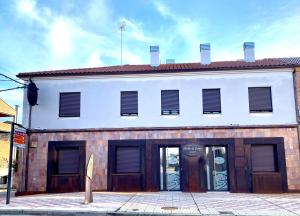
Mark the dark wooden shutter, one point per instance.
(68, 161)
(69, 104)
(170, 102)
(129, 103)
(211, 101)
(263, 158)
(127, 159)
(260, 99)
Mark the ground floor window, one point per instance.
(263, 158)
(68, 161)
(128, 159)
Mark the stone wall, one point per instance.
(97, 143)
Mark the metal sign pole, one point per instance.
(10, 163)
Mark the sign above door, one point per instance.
(192, 150)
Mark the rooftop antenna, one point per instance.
(122, 28)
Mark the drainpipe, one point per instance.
(28, 146)
(296, 105)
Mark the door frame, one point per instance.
(278, 142)
(52, 146)
(164, 146)
(111, 165)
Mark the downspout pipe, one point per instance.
(296, 104)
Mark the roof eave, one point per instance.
(45, 74)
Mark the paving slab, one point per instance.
(154, 203)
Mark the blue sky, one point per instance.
(42, 35)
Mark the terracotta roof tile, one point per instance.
(168, 68)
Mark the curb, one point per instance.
(52, 212)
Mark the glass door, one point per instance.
(169, 168)
(216, 166)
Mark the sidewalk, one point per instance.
(156, 203)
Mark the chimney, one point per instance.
(249, 52)
(154, 56)
(205, 53)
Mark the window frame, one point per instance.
(60, 115)
(129, 114)
(169, 112)
(214, 112)
(261, 111)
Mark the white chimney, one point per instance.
(249, 52)
(205, 53)
(154, 56)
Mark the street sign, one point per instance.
(19, 137)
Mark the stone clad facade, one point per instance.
(243, 117)
(97, 143)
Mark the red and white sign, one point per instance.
(19, 137)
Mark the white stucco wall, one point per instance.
(100, 100)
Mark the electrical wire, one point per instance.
(19, 87)
(12, 79)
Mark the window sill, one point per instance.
(262, 114)
(170, 116)
(129, 117)
(67, 118)
(212, 115)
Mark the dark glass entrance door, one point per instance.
(169, 168)
(216, 168)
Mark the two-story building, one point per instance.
(204, 126)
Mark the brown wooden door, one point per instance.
(66, 166)
(126, 165)
(267, 173)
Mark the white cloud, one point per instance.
(131, 57)
(279, 38)
(94, 59)
(186, 29)
(79, 41)
(61, 37)
(28, 9)
(134, 30)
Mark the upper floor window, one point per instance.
(211, 101)
(170, 102)
(129, 103)
(260, 99)
(69, 104)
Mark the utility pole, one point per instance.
(122, 28)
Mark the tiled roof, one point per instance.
(290, 60)
(168, 68)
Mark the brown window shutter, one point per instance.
(69, 104)
(260, 99)
(127, 159)
(263, 158)
(68, 161)
(170, 102)
(129, 103)
(211, 101)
